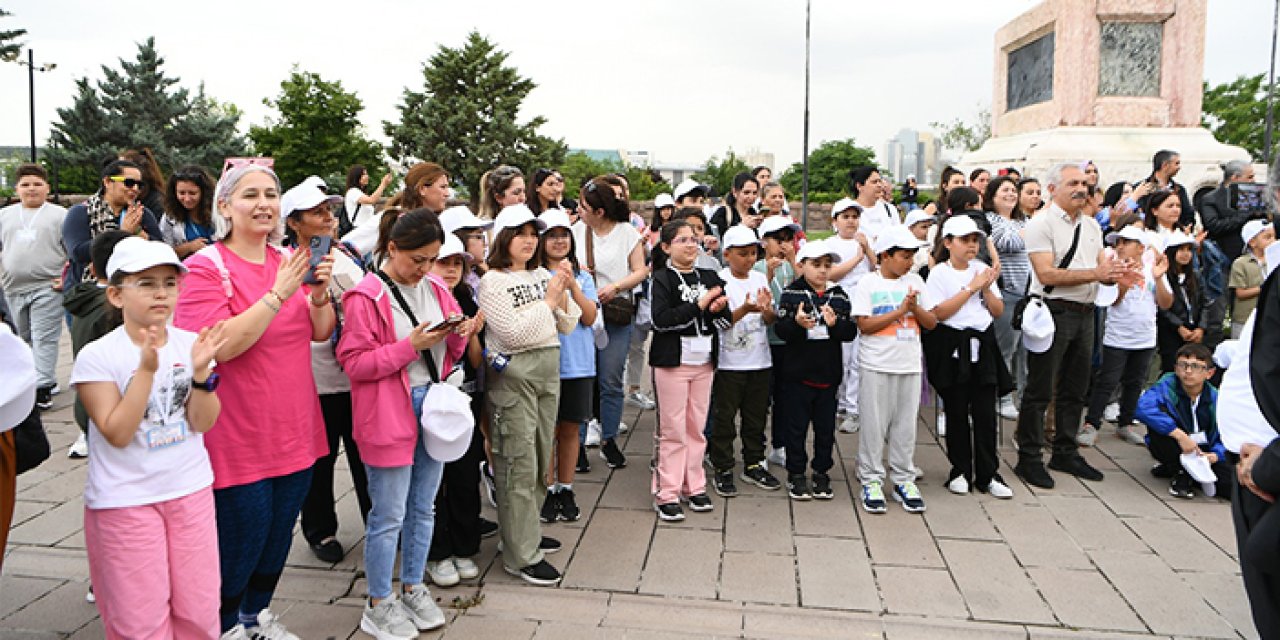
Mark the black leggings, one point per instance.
(971, 444)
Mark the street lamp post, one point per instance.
(30, 64)
(804, 186)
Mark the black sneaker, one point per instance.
(584, 465)
(798, 487)
(612, 454)
(1161, 470)
(491, 489)
(1076, 466)
(700, 503)
(541, 574)
(723, 484)
(1182, 486)
(756, 474)
(44, 398)
(822, 487)
(329, 550)
(1033, 472)
(488, 528)
(550, 508)
(569, 511)
(669, 512)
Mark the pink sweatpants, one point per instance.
(684, 393)
(155, 568)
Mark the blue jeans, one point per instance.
(398, 492)
(610, 362)
(255, 529)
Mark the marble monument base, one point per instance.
(1121, 153)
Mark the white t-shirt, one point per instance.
(165, 460)
(1132, 323)
(324, 361)
(945, 281)
(849, 249)
(422, 301)
(895, 348)
(878, 218)
(358, 212)
(612, 252)
(745, 345)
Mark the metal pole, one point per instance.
(31, 88)
(1271, 86)
(804, 189)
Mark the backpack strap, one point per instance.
(215, 256)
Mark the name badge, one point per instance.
(819, 332)
(25, 236)
(906, 335)
(698, 344)
(1199, 438)
(166, 435)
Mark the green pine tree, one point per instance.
(10, 48)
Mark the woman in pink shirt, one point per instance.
(270, 431)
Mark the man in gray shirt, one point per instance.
(31, 260)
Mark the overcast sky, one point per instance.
(681, 79)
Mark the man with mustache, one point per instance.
(1067, 265)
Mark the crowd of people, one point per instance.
(231, 336)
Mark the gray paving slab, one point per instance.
(675, 615)
(1084, 598)
(20, 591)
(1091, 524)
(919, 591)
(612, 555)
(992, 583)
(1181, 546)
(683, 563)
(1163, 601)
(900, 538)
(762, 621)
(753, 576)
(1034, 535)
(61, 610)
(744, 515)
(836, 573)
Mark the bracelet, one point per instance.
(273, 307)
(323, 301)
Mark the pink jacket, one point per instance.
(377, 363)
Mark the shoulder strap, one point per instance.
(404, 306)
(591, 251)
(211, 252)
(1066, 259)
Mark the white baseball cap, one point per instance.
(896, 237)
(663, 200)
(843, 204)
(134, 254)
(739, 236)
(516, 216)
(816, 249)
(1253, 228)
(959, 226)
(303, 197)
(452, 246)
(1177, 239)
(774, 224)
(553, 218)
(687, 186)
(1135, 234)
(1037, 327)
(446, 422)
(315, 182)
(460, 217)
(917, 216)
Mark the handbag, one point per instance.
(618, 310)
(30, 441)
(1021, 308)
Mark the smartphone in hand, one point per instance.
(451, 321)
(319, 249)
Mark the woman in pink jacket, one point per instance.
(392, 358)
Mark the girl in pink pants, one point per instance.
(689, 306)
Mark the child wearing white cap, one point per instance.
(148, 389)
(1247, 272)
(856, 261)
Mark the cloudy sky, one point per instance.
(681, 79)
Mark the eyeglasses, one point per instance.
(147, 285)
(129, 183)
(684, 240)
(1192, 366)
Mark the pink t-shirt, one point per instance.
(270, 423)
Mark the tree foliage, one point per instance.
(465, 116)
(578, 167)
(829, 167)
(1236, 113)
(317, 132)
(10, 48)
(961, 135)
(719, 173)
(139, 106)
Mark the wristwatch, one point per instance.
(210, 384)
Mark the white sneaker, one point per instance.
(90, 598)
(638, 399)
(959, 486)
(422, 609)
(388, 621)
(79, 448)
(269, 628)
(1112, 412)
(850, 424)
(1087, 435)
(942, 424)
(778, 457)
(235, 633)
(1129, 433)
(443, 573)
(622, 427)
(1000, 490)
(467, 569)
(593, 433)
(1007, 409)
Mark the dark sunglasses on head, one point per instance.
(129, 183)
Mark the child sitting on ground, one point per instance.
(1180, 411)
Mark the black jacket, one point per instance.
(948, 358)
(1224, 223)
(1180, 314)
(816, 361)
(676, 314)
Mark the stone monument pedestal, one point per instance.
(1112, 81)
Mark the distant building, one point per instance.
(675, 172)
(912, 152)
(757, 158)
(614, 156)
